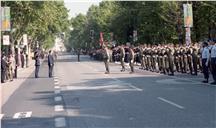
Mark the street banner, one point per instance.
(101, 39)
(25, 40)
(188, 15)
(188, 36)
(6, 40)
(5, 19)
(134, 35)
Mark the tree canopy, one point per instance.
(155, 22)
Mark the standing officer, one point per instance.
(37, 63)
(106, 58)
(141, 56)
(213, 61)
(3, 68)
(50, 63)
(195, 58)
(131, 59)
(205, 61)
(122, 56)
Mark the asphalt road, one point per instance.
(82, 96)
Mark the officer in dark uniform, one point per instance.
(195, 59)
(3, 68)
(205, 61)
(131, 58)
(37, 63)
(50, 63)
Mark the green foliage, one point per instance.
(41, 20)
(155, 22)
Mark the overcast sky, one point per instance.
(79, 6)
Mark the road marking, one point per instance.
(57, 87)
(59, 108)
(56, 83)
(136, 88)
(128, 84)
(22, 115)
(1, 116)
(56, 80)
(57, 91)
(172, 103)
(60, 122)
(58, 98)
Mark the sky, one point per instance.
(79, 6)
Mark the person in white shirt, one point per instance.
(205, 61)
(213, 61)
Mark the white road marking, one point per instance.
(172, 103)
(57, 87)
(60, 122)
(56, 83)
(58, 98)
(57, 91)
(59, 108)
(136, 88)
(1, 116)
(22, 115)
(56, 80)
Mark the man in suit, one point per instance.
(50, 63)
(37, 63)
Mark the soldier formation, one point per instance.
(168, 58)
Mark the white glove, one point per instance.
(131, 61)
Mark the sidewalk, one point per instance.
(8, 88)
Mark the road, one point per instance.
(81, 96)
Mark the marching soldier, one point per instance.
(106, 58)
(122, 56)
(131, 59)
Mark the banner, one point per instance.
(6, 40)
(101, 39)
(135, 36)
(188, 15)
(25, 39)
(188, 36)
(5, 19)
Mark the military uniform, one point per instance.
(131, 58)
(170, 54)
(122, 56)
(195, 59)
(141, 56)
(106, 58)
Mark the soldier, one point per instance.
(148, 55)
(199, 57)
(205, 61)
(170, 54)
(160, 59)
(145, 51)
(185, 60)
(195, 58)
(122, 57)
(141, 57)
(163, 60)
(213, 61)
(3, 68)
(177, 58)
(106, 58)
(189, 51)
(131, 59)
(153, 58)
(37, 63)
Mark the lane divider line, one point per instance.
(57, 91)
(171, 103)
(59, 108)
(22, 115)
(60, 122)
(58, 98)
